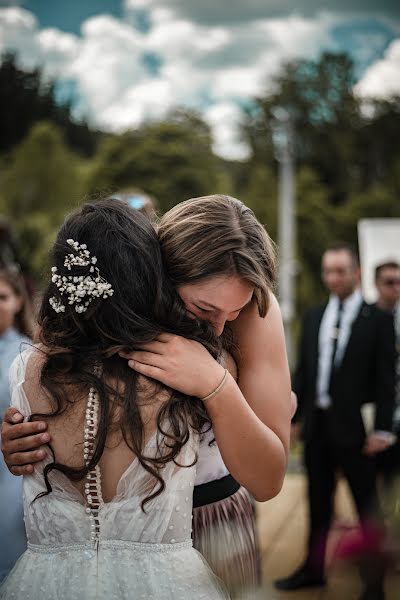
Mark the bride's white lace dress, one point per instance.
(135, 555)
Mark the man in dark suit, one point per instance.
(346, 359)
(387, 282)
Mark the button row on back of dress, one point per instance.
(94, 499)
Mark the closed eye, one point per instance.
(203, 309)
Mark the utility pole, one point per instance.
(283, 143)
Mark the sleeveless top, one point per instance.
(210, 465)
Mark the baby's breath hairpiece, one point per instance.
(80, 290)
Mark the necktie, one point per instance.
(335, 338)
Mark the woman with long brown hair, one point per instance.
(222, 263)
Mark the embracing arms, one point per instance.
(251, 418)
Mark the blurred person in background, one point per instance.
(346, 358)
(15, 332)
(139, 201)
(8, 245)
(387, 282)
(10, 255)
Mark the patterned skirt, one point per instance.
(224, 532)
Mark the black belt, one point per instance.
(214, 491)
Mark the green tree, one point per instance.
(261, 195)
(315, 217)
(318, 95)
(346, 153)
(376, 202)
(378, 148)
(170, 160)
(25, 99)
(40, 183)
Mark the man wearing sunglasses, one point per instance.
(387, 282)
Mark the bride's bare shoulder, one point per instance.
(37, 396)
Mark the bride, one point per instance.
(108, 512)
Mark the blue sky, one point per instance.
(69, 15)
(125, 61)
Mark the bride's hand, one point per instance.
(179, 363)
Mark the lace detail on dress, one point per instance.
(94, 499)
(136, 547)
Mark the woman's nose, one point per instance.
(219, 325)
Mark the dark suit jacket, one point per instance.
(366, 374)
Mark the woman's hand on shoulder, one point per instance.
(181, 364)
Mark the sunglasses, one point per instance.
(391, 282)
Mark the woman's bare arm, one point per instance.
(264, 377)
(251, 421)
(255, 449)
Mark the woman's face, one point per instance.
(218, 299)
(10, 305)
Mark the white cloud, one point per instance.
(108, 64)
(148, 100)
(206, 67)
(18, 29)
(135, 4)
(258, 49)
(201, 66)
(57, 51)
(224, 119)
(51, 48)
(382, 79)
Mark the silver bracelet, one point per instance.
(217, 389)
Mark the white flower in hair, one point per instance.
(56, 305)
(80, 290)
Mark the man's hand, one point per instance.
(376, 443)
(21, 442)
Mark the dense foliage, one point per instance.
(347, 160)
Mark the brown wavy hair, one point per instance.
(217, 235)
(23, 320)
(144, 304)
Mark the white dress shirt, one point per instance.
(327, 331)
